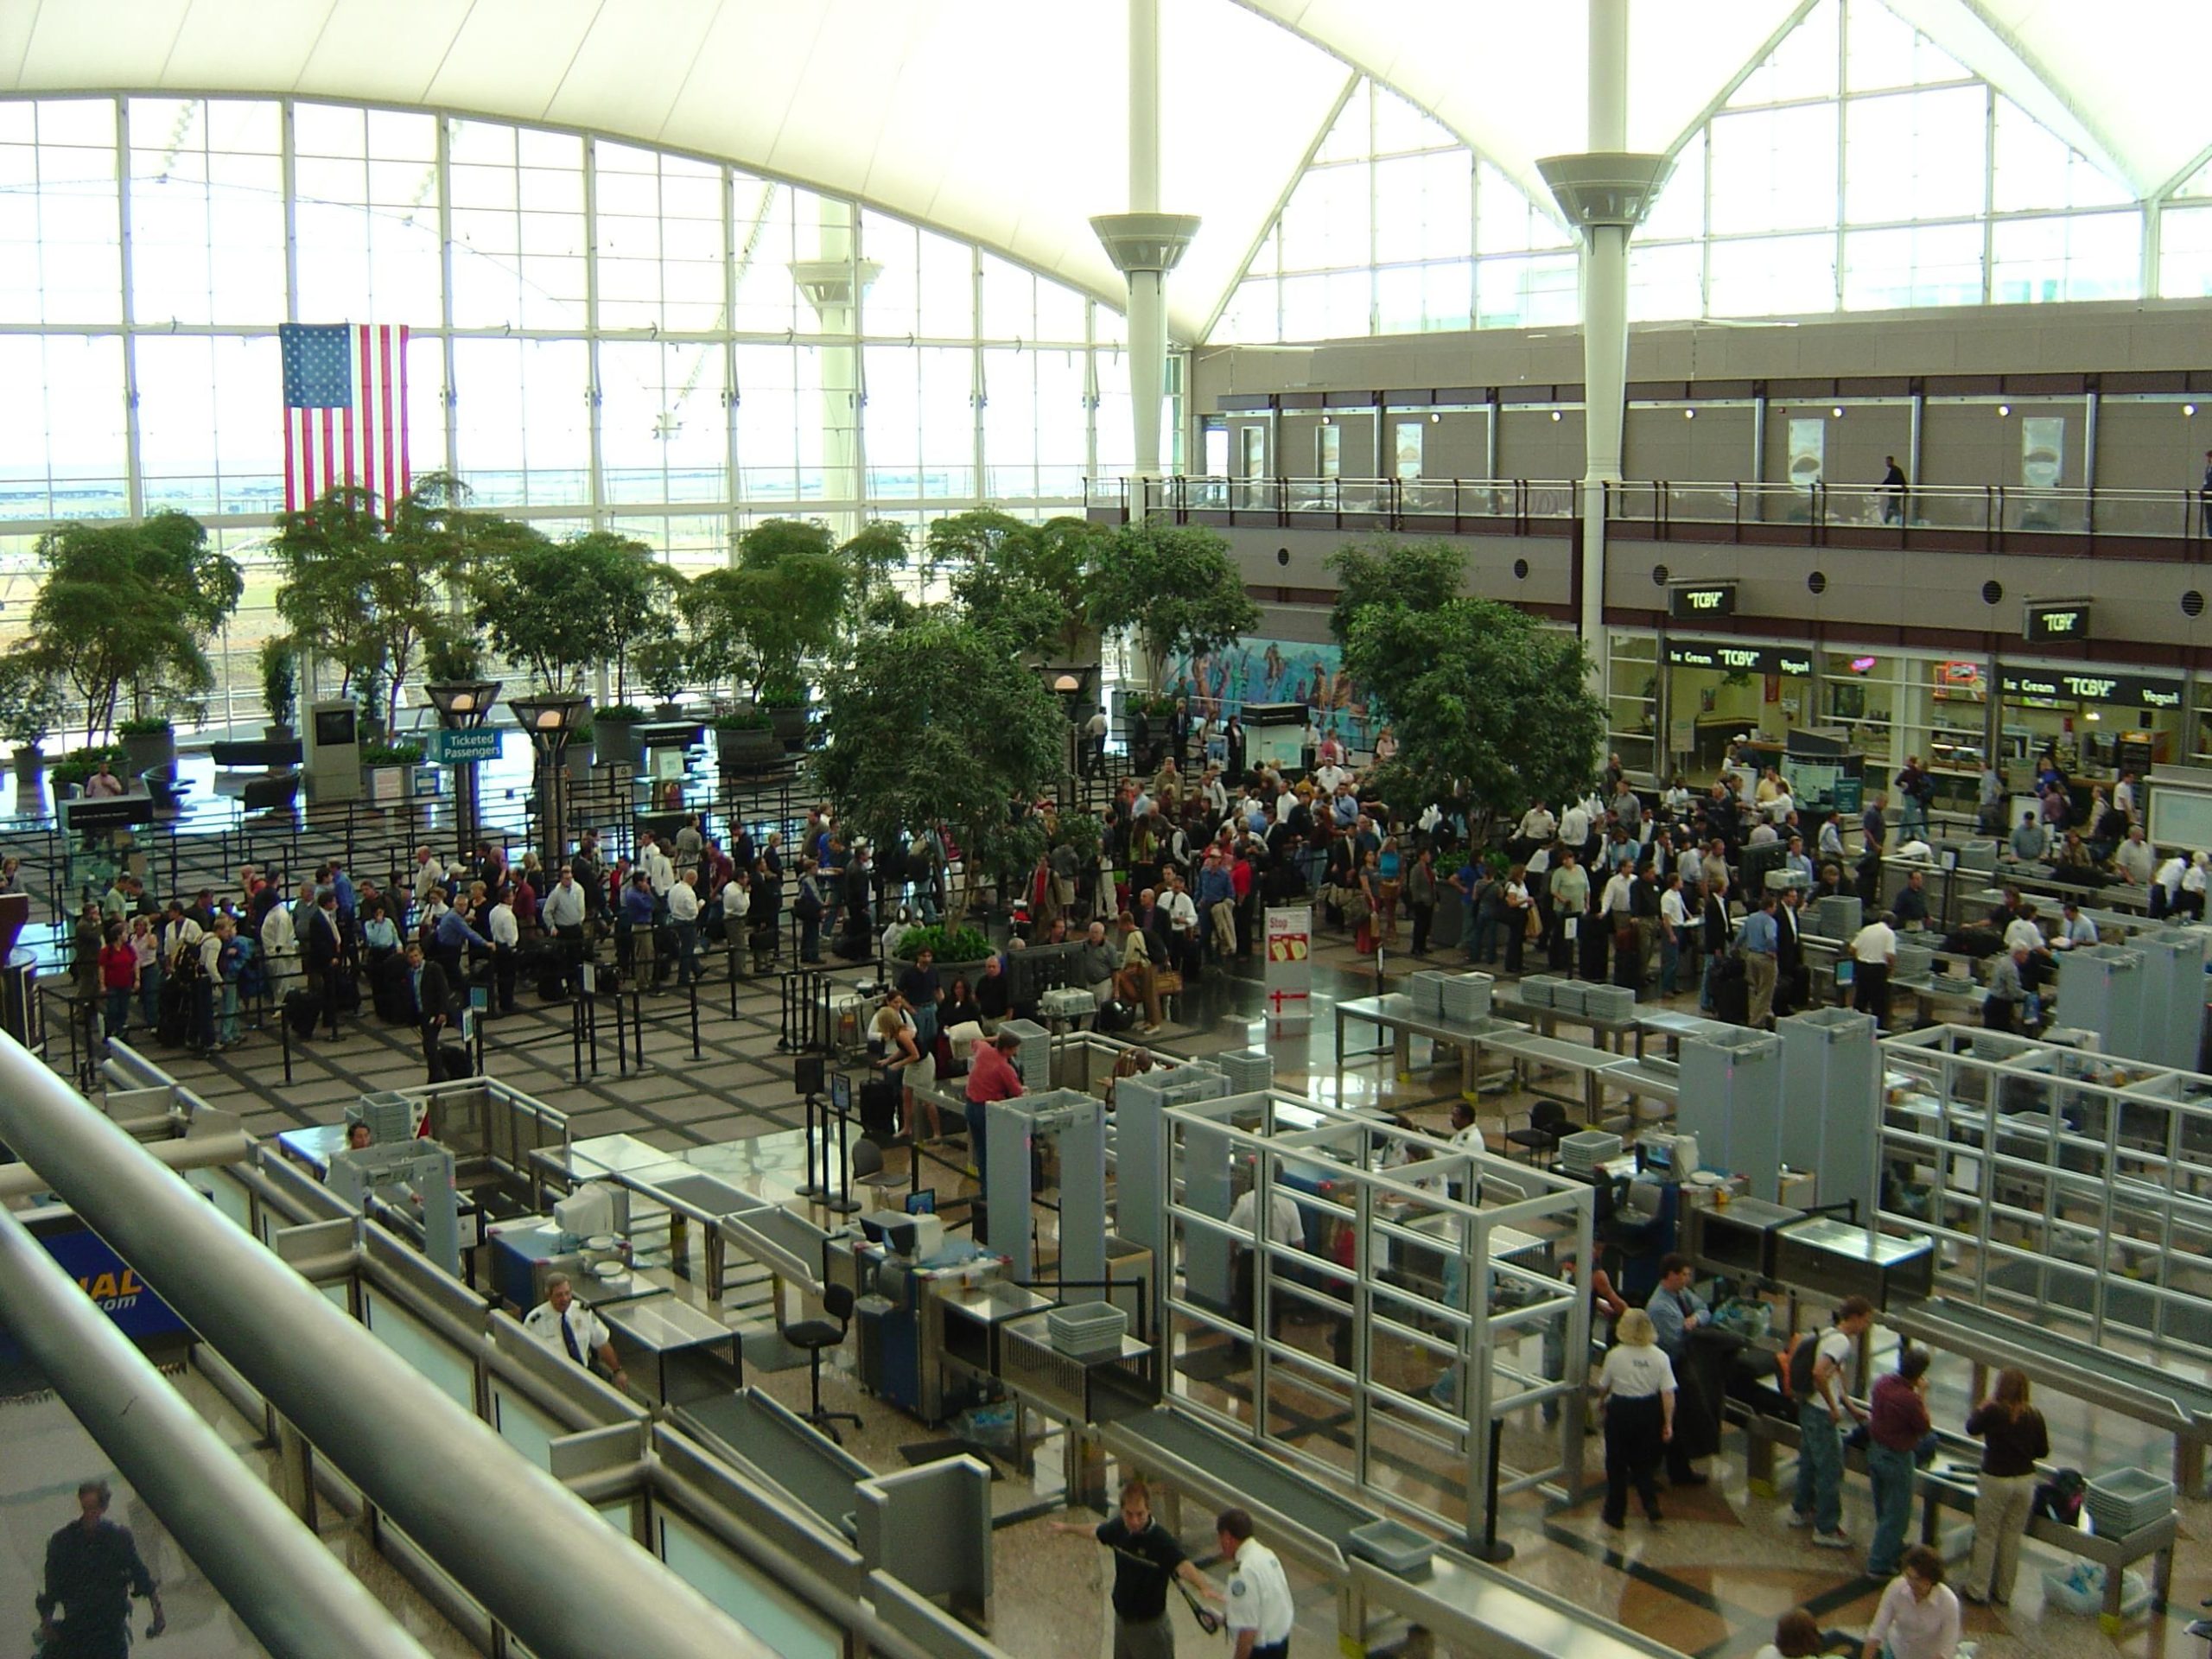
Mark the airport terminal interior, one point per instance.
(788, 792)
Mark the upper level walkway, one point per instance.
(2170, 525)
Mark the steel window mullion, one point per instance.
(134, 477)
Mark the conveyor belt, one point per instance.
(2131, 1387)
(1476, 1608)
(1199, 1458)
(802, 1462)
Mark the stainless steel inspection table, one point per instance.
(1395, 1014)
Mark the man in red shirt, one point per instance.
(1896, 1421)
(991, 1076)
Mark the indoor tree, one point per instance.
(1035, 579)
(938, 723)
(780, 605)
(1175, 587)
(371, 591)
(130, 606)
(561, 609)
(1489, 706)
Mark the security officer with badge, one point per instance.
(1260, 1613)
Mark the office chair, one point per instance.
(1548, 1126)
(814, 1335)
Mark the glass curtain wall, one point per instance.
(1858, 167)
(601, 335)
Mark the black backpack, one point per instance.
(1802, 1358)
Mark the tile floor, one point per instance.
(1709, 1582)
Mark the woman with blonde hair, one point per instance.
(2013, 1439)
(1635, 1386)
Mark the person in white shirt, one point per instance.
(1676, 918)
(429, 875)
(2123, 795)
(567, 1326)
(683, 912)
(659, 869)
(1918, 1615)
(737, 904)
(1259, 1612)
(1328, 777)
(506, 942)
(1779, 808)
(2193, 884)
(1537, 825)
(1574, 826)
(2134, 859)
(1873, 954)
(280, 945)
(1618, 900)
(1763, 835)
(1182, 915)
(2021, 933)
(1285, 1226)
(1637, 1387)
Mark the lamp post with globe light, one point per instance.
(463, 706)
(551, 718)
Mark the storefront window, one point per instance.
(1632, 710)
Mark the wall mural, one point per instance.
(1277, 671)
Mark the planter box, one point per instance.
(739, 750)
(147, 752)
(789, 727)
(388, 785)
(616, 740)
(577, 758)
(31, 762)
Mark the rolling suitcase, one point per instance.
(880, 1098)
(301, 1011)
(1732, 991)
(454, 1062)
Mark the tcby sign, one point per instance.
(1694, 599)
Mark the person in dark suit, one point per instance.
(433, 1005)
(1792, 984)
(322, 944)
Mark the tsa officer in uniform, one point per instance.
(567, 1326)
(1146, 1555)
(93, 1574)
(1259, 1616)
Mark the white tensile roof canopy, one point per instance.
(1004, 121)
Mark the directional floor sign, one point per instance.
(458, 748)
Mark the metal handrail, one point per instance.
(1995, 510)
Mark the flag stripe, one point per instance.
(383, 405)
(353, 377)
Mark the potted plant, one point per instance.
(957, 949)
(616, 729)
(745, 739)
(280, 686)
(30, 707)
(149, 744)
(577, 756)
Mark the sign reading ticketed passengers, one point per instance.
(1290, 962)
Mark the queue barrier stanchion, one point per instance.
(844, 1203)
(817, 1133)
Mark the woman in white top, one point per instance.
(1919, 1618)
(1637, 1387)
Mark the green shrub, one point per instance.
(748, 720)
(392, 755)
(962, 944)
(83, 763)
(150, 725)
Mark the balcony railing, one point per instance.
(1935, 515)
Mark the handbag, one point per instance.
(1168, 982)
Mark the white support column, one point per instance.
(1145, 244)
(834, 282)
(1605, 193)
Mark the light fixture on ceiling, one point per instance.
(2004, 410)
(1837, 412)
(1555, 415)
(1689, 414)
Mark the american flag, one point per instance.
(344, 409)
